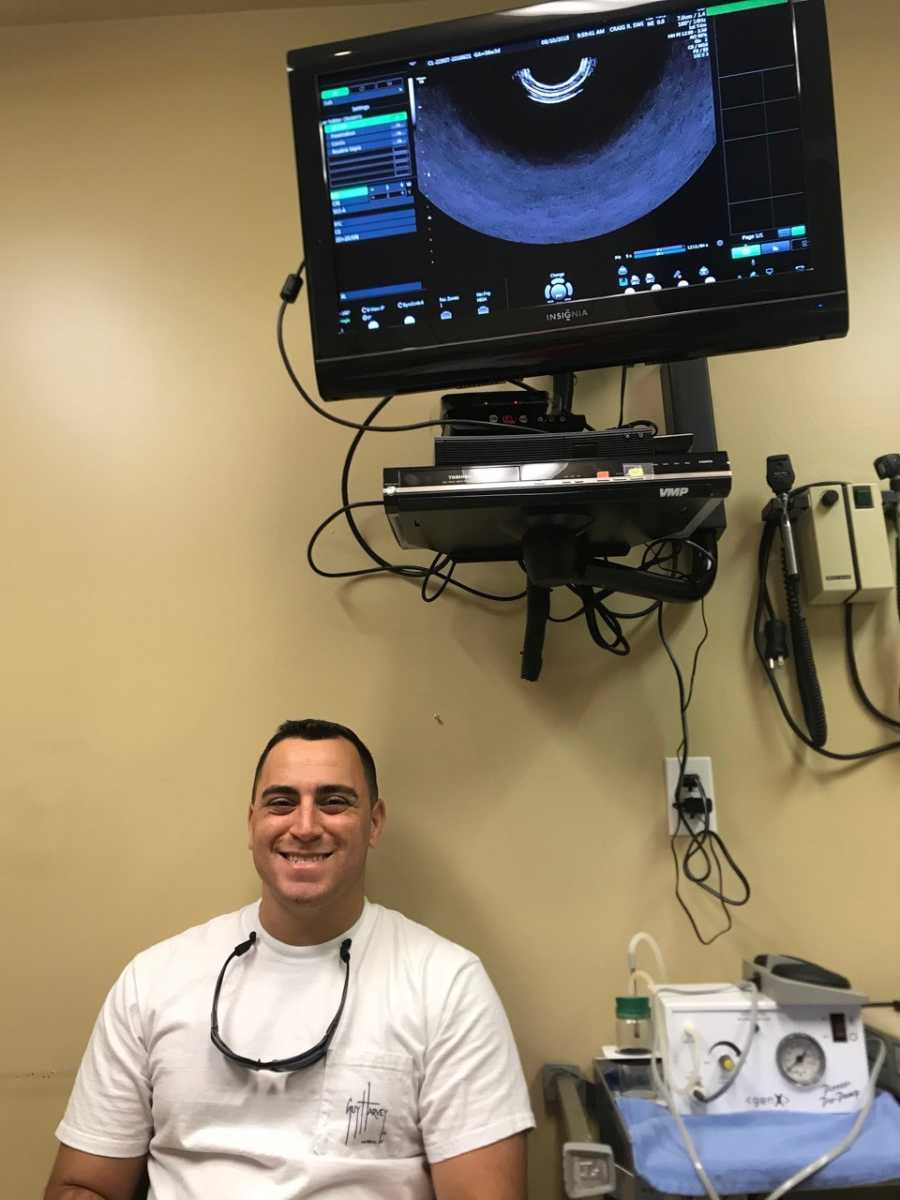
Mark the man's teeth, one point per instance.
(304, 858)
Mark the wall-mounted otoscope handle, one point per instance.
(787, 538)
(804, 663)
(780, 478)
(888, 467)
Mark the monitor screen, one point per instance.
(565, 186)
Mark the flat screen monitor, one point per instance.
(570, 185)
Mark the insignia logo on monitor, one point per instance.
(673, 492)
(567, 314)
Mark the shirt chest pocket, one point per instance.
(369, 1106)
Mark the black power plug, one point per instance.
(692, 802)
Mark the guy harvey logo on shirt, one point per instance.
(366, 1120)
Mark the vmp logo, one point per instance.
(567, 314)
(672, 493)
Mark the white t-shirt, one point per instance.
(422, 1067)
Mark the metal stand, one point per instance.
(550, 551)
(597, 1168)
(589, 1167)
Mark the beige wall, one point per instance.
(159, 481)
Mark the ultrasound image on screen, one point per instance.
(564, 145)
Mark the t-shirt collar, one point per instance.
(250, 922)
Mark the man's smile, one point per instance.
(302, 862)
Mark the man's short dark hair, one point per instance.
(311, 729)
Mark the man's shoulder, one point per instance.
(418, 943)
(212, 939)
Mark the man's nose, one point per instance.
(306, 825)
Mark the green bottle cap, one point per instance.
(633, 1008)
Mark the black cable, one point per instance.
(415, 572)
(593, 608)
(698, 648)
(622, 397)
(729, 924)
(618, 644)
(438, 563)
(710, 857)
(410, 572)
(706, 843)
(698, 846)
(526, 387)
(594, 605)
(572, 615)
(425, 573)
(764, 598)
(282, 349)
(653, 556)
(366, 426)
(682, 768)
(634, 616)
(804, 662)
(764, 605)
(854, 672)
(682, 765)
(600, 596)
(321, 529)
(675, 547)
(745, 883)
(642, 423)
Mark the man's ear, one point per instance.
(377, 818)
(249, 820)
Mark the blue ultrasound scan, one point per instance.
(659, 153)
(564, 148)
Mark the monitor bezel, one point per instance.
(657, 327)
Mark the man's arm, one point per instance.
(80, 1176)
(494, 1172)
(473, 1102)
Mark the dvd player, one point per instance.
(478, 513)
(541, 447)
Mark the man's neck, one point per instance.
(307, 926)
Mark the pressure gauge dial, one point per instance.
(801, 1060)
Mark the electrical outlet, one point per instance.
(701, 767)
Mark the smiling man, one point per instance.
(312, 1044)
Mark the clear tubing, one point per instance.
(693, 1085)
(845, 1143)
(649, 940)
(636, 975)
(661, 1047)
(661, 1053)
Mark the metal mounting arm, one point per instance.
(550, 556)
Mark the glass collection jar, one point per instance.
(634, 1025)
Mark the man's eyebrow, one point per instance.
(324, 789)
(336, 789)
(279, 789)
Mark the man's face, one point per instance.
(311, 824)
